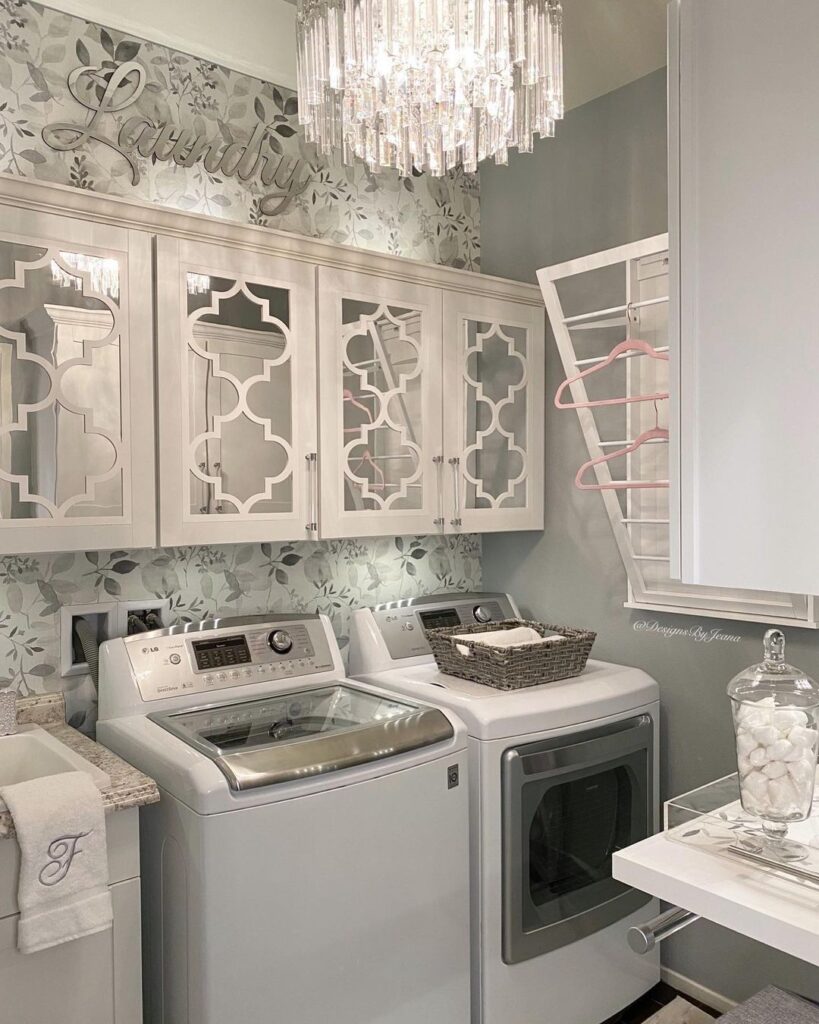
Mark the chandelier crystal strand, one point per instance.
(429, 84)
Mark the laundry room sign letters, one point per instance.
(105, 91)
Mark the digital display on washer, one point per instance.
(227, 650)
(439, 619)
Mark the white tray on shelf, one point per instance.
(711, 819)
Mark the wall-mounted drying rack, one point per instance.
(591, 333)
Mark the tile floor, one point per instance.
(663, 1005)
(680, 1011)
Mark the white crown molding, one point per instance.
(148, 218)
(274, 42)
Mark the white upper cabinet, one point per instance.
(380, 384)
(237, 395)
(744, 77)
(76, 385)
(431, 409)
(302, 390)
(493, 414)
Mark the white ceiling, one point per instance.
(607, 43)
(256, 37)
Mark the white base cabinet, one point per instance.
(93, 980)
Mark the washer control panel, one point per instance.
(170, 663)
(403, 624)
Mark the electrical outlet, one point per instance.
(142, 616)
(102, 619)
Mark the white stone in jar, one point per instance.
(802, 737)
(755, 713)
(758, 757)
(745, 743)
(786, 718)
(775, 769)
(744, 766)
(756, 784)
(783, 796)
(780, 750)
(802, 772)
(765, 735)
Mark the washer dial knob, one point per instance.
(482, 613)
(280, 641)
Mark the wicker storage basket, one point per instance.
(511, 668)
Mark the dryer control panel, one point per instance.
(402, 623)
(172, 662)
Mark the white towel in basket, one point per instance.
(516, 637)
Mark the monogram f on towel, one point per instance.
(63, 888)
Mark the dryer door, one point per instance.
(568, 805)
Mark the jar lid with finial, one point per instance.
(774, 678)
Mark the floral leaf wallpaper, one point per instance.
(331, 577)
(424, 218)
(436, 220)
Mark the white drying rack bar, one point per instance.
(580, 317)
(623, 355)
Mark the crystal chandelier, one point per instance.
(104, 275)
(429, 84)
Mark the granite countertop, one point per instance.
(129, 787)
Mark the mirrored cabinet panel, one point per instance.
(76, 464)
(237, 395)
(493, 409)
(380, 370)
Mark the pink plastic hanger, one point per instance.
(630, 345)
(350, 397)
(367, 459)
(623, 485)
(656, 433)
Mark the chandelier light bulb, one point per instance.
(429, 84)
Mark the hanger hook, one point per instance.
(632, 318)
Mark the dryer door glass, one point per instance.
(570, 804)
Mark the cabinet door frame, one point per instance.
(136, 527)
(458, 307)
(333, 287)
(743, 223)
(178, 526)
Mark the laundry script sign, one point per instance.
(105, 92)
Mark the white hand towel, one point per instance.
(63, 886)
(515, 637)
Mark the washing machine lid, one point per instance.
(299, 734)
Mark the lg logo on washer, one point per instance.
(105, 92)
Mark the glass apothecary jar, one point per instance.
(776, 723)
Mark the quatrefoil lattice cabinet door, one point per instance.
(237, 395)
(380, 385)
(493, 414)
(76, 385)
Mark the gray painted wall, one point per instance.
(601, 183)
